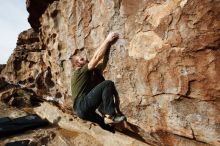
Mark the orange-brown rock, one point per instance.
(165, 64)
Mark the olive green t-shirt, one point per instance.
(84, 80)
(81, 82)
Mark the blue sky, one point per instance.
(13, 20)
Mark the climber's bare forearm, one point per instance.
(100, 52)
(98, 55)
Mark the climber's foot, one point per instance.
(114, 119)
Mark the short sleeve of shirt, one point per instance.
(84, 68)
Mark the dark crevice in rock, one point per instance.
(17, 64)
(33, 50)
(196, 140)
(214, 47)
(62, 64)
(2, 66)
(31, 64)
(31, 80)
(182, 96)
(36, 8)
(165, 135)
(48, 78)
(54, 13)
(58, 95)
(49, 53)
(193, 135)
(189, 88)
(40, 81)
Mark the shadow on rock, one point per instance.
(96, 118)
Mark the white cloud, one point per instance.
(13, 20)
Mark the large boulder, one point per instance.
(165, 63)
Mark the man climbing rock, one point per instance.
(88, 94)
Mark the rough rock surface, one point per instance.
(52, 136)
(27, 69)
(69, 122)
(165, 64)
(49, 135)
(2, 67)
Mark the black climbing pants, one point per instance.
(101, 97)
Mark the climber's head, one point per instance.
(78, 60)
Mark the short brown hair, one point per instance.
(74, 60)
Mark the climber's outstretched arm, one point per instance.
(100, 52)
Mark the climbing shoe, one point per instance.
(113, 119)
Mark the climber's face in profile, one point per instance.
(78, 61)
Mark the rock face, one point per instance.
(2, 66)
(165, 64)
(36, 8)
(101, 137)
